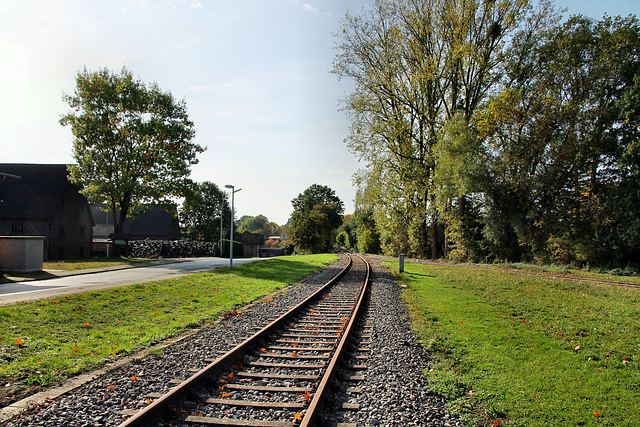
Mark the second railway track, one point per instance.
(281, 376)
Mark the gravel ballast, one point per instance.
(394, 392)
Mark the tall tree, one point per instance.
(558, 133)
(258, 224)
(201, 212)
(368, 237)
(317, 212)
(132, 142)
(415, 64)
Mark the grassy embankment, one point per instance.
(48, 340)
(517, 350)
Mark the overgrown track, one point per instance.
(281, 375)
(527, 272)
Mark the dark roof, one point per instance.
(155, 221)
(36, 194)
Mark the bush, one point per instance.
(238, 249)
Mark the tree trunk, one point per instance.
(434, 238)
(120, 217)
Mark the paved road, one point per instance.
(25, 291)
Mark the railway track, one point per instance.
(281, 376)
(532, 273)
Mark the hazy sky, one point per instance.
(254, 73)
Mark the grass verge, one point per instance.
(517, 350)
(83, 264)
(616, 275)
(48, 340)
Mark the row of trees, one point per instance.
(493, 130)
(206, 208)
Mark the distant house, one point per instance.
(42, 202)
(155, 224)
(251, 243)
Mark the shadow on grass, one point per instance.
(418, 274)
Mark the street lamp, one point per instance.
(221, 212)
(231, 242)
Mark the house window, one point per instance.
(61, 232)
(17, 227)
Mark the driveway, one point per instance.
(83, 281)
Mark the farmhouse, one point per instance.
(42, 202)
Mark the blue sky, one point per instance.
(254, 73)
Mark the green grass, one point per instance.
(51, 339)
(83, 264)
(631, 277)
(528, 351)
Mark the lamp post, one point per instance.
(233, 191)
(221, 212)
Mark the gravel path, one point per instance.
(394, 392)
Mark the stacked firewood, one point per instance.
(169, 249)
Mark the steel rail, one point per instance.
(312, 414)
(156, 410)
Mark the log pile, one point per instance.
(169, 249)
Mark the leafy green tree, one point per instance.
(311, 232)
(258, 224)
(368, 237)
(350, 227)
(317, 212)
(459, 164)
(319, 195)
(558, 134)
(201, 210)
(132, 142)
(252, 223)
(343, 240)
(415, 64)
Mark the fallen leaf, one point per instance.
(19, 341)
(306, 396)
(596, 413)
(297, 416)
